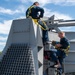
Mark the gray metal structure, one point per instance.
(25, 36)
(23, 32)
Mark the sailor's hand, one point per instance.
(53, 43)
(58, 45)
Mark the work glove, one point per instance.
(53, 43)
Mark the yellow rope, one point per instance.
(36, 22)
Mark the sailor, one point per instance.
(36, 13)
(62, 51)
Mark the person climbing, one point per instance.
(62, 51)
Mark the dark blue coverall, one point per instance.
(60, 55)
(33, 11)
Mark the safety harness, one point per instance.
(43, 26)
(65, 50)
(29, 11)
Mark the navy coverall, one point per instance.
(36, 13)
(59, 54)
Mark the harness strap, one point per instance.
(37, 23)
(44, 26)
(29, 10)
(66, 50)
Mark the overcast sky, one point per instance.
(15, 9)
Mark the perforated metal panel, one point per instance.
(18, 60)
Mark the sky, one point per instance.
(15, 9)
